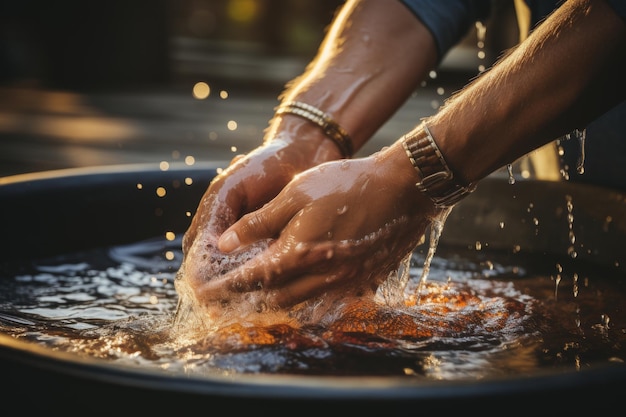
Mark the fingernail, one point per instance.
(228, 242)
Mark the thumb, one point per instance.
(265, 223)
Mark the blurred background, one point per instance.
(144, 81)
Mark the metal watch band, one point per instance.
(437, 179)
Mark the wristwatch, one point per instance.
(437, 180)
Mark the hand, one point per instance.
(250, 181)
(341, 225)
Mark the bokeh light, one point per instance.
(201, 90)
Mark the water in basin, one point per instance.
(482, 313)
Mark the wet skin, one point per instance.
(329, 239)
(330, 234)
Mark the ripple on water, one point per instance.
(479, 314)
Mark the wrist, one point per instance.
(301, 137)
(324, 121)
(436, 179)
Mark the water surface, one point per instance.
(481, 314)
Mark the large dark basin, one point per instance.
(62, 211)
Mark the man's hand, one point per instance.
(344, 224)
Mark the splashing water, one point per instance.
(581, 136)
(436, 228)
(393, 288)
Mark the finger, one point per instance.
(280, 262)
(305, 288)
(264, 223)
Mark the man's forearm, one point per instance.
(373, 57)
(569, 71)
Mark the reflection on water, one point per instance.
(480, 314)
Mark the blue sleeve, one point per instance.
(448, 21)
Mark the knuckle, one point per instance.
(257, 224)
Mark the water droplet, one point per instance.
(580, 165)
(572, 237)
(570, 221)
(556, 286)
(509, 169)
(342, 210)
(607, 223)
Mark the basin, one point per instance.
(56, 212)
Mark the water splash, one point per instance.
(581, 136)
(393, 288)
(436, 228)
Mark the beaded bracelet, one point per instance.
(437, 180)
(330, 128)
